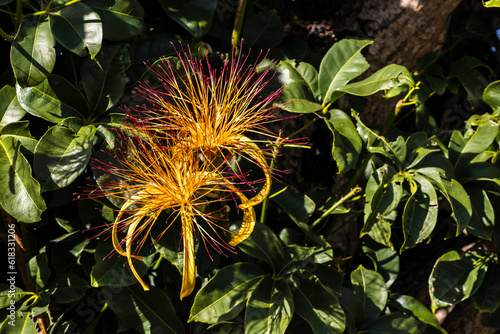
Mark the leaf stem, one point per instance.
(7, 12)
(6, 36)
(238, 24)
(311, 122)
(19, 14)
(325, 214)
(54, 9)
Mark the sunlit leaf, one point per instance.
(10, 109)
(62, 153)
(20, 195)
(370, 287)
(410, 305)
(226, 294)
(269, 308)
(20, 131)
(482, 221)
(32, 54)
(78, 28)
(491, 94)
(385, 261)
(39, 270)
(342, 63)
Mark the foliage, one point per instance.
(74, 66)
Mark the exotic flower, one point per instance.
(150, 178)
(212, 112)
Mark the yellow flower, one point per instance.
(213, 112)
(155, 178)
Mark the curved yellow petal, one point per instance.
(249, 218)
(114, 232)
(128, 245)
(255, 153)
(188, 273)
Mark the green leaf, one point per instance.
(264, 245)
(395, 322)
(455, 278)
(482, 221)
(22, 323)
(103, 78)
(62, 153)
(491, 94)
(77, 27)
(342, 63)
(301, 85)
(10, 109)
(460, 203)
(20, 132)
(122, 20)
(193, 15)
(369, 286)
(471, 79)
(416, 149)
(225, 295)
(487, 297)
(420, 213)
(299, 258)
(388, 77)
(167, 242)
(67, 288)
(53, 100)
(384, 191)
(66, 252)
(146, 311)
(462, 150)
(411, 306)
(11, 294)
(491, 3)
(263, 30)
(20, 195)
(112, 269)
(39, 270)
(32, 54)
(317, 305)
(270, 307)
(385, 260)
(347, 144)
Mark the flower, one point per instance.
(176, 151)
(213, 112)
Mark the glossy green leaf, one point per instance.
(10, 109)
(193, 15)
(455, 278)
(491, 95)
(411, 306)
(460, 203)
(103, 78)
(385, 261)
(395, 322)
(481, 171)
(487, 297)
(20, 132)
(420, 213)
(225, 295)
(317, 305)
(264, 245)
(369, 286)
(383, 194)
(342, 63)
(53, 100)
(112, 269)
(270, 307)
(20, 195)
(121, 19)
(22, 324)
(39, 270)
(301, 85)
(146, 311)
(262, 30)
(299, 257)
(67, 288)
(386, 78)
(417, 149)
(62, 153)
(462, 150)
(32, 54)
(66, 252)
(78, 28)
(347, 144)
(7, 294)
(482, 221)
